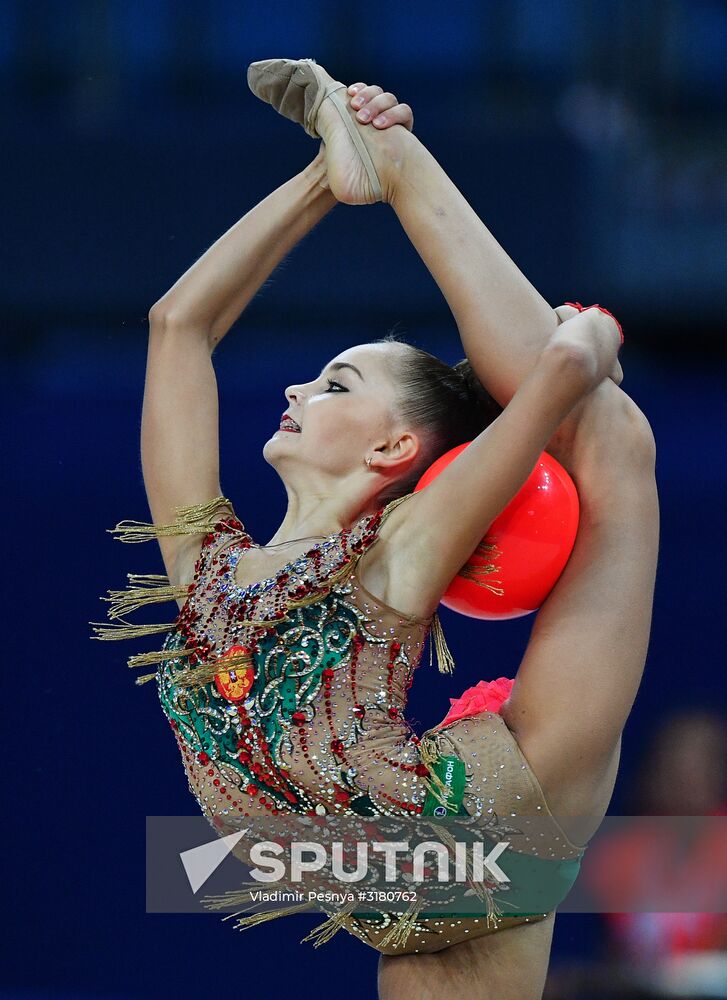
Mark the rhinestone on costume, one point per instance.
(321, 702)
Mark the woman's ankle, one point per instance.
(316, 178)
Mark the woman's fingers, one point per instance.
(565, 313)
(604, 322)
(386, 111)
(364, 95)
(380, 108)
(400, 114)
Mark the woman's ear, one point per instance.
(398, 453)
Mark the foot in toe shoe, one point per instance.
(294, 87)
(304, 92)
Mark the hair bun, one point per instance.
(480, 398)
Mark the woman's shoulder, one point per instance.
(385, 569)
(196, 556)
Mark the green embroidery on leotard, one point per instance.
(288, 667)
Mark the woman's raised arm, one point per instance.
(179, 426)
(210, 296)
(179, 432)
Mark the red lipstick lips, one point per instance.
(288, 424)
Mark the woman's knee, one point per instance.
(614, 433)
(636, 433)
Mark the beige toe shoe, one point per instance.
(296, 88)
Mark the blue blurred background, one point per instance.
(591, 137)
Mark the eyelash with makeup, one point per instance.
(331, 383)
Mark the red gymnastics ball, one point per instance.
(525, 549)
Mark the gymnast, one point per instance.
(285, 676)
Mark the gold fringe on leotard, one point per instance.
(146, 589)
(146, 677)
(324, 931)
(402, 927)
(397, 935)
(429, 753)
(233, 897)
(445, 660)
(319, 935)
(482, 891)
(150, 588)
(474, 572)
(196, 677)
(195, 519)
(127, 631)
(255, 919)
(158, 656)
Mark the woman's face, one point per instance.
(344, 415)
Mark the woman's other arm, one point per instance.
(429, 546)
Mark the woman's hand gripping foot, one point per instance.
(376, 113)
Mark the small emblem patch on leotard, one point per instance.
(451, 772)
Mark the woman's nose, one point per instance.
(293, 394)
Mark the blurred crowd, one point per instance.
(682, 956)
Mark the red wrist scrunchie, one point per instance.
(582, 308)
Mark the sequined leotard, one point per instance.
(307, 715)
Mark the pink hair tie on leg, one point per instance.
(582, 308)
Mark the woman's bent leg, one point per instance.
(575, 686)
(578, 679)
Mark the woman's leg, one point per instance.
(503, 321)
(584, 662)
(583, 665)
(509, 965)
(576, 684)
